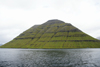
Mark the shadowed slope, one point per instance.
(53, 34)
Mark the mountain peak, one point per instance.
(53, 21)
(53, 34)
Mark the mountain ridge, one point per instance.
(53, 34)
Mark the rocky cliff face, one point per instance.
(53, 34)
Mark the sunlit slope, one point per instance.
(53, 34)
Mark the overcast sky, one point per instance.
(17, 16)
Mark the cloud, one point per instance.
(8, 34)
(18, 15)
(19, 4)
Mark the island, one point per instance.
(53, 34)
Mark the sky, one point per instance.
(17, 16)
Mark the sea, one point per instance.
(89, 57)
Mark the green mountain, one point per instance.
(53, 34)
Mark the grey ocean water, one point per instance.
(49, 57)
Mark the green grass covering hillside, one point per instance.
(53, 34)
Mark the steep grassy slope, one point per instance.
(53, 34)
